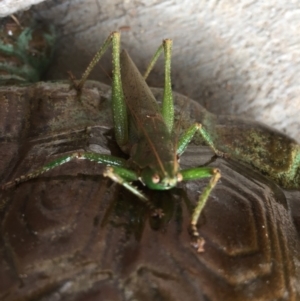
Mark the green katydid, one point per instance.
(145, 132)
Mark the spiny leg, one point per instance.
(115, 171)
(187, 137)
(198, 173)
(167, 103)
(195, 174)
(96, 59)
(118, 104)
(104, 159)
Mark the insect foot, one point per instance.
(197, 242)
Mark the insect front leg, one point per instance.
(195, 174)
(124, 177)
(199, 173)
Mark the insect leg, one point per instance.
(153, 60)
(195, 174)
(188, 136)
(96, 59)
(115, 171)
(167, 103)
(104, 159)
(118, 103)
(124, 177)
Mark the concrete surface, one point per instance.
(8, 7)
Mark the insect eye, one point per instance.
(155, 178)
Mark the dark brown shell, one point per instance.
(73, 235)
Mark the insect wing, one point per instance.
(155, 146)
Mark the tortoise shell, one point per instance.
(72, 234)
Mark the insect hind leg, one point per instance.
(188, 136)
(167, 103)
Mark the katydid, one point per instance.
(145, 132)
